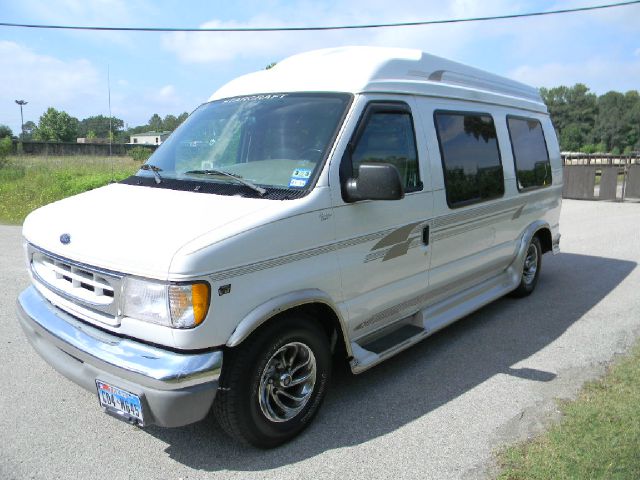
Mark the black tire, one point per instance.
(240, 408)
(530, 269)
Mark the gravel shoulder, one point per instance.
(438, 410)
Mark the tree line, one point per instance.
(584, 122)
(58, 126)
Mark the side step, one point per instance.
(378, 346)
(395, 339)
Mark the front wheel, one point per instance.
(530, 269)
(272, 385)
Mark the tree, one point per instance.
(57, 126)
(182, 117)
(573, 111)
(29, 130)
(99, 125)
(155, 123)
(5, 131)
(612, 125)
(632, 119)
(169, 123)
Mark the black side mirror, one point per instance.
(376, 181)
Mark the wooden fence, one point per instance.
(601, 177)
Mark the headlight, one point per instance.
(172, 305)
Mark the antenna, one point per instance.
(110, 119)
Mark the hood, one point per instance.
(133, 229)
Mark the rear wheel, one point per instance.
(530, 269)
(272, 385)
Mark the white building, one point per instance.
(149, 138)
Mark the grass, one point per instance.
(598, 438)
(29, 182)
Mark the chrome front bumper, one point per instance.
(175, 388)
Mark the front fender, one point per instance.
(259, 315)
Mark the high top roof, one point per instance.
(383, 70)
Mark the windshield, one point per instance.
(271, 140)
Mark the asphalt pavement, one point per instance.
(438, 410)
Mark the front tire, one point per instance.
(530, 269)
(273, 384)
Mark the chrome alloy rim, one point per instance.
(287, 382)
(530, 265)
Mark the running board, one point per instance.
(371, 350)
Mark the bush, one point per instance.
(594, 148)
(140, 154)
(5, 131)
(5, 150)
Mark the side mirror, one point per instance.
(376, 181)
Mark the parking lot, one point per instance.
(438, 410)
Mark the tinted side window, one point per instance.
(529, 153)
(470, 157)
(388, 137)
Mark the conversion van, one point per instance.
(348, 202)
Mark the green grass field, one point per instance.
(29, 182)
(598, 438)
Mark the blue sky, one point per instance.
(174, 72)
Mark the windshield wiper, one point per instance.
(154, 169)
(234, 176)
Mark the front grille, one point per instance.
(90, 292)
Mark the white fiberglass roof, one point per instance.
(383, 70)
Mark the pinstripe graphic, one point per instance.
(302, 255)
(395, 242)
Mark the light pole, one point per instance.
(21, 103)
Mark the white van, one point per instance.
(348, 201)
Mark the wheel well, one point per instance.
(544, 235)
(326, 318)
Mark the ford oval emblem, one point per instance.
(65, 239)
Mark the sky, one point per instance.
(169, 73)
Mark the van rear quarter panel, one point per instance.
(480, 239)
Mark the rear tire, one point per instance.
(530, 269)
(273, 383)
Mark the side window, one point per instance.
(529, 153)
(388, 137)
(470, 157)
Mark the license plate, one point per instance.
(121, 402)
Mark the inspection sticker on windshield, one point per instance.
(300, 177)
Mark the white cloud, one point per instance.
(216, 47)
(110, 13)
(75, 86)
(167, 92)
(599, 74)
(44, 81)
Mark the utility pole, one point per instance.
(21, 103)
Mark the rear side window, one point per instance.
(529, 153)
(470, 157)
(388, 137)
